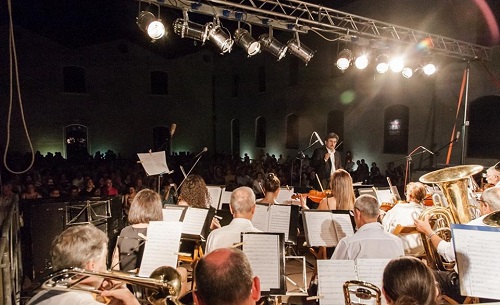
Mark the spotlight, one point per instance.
(148, 23)
(243, 38)
(273, 46)
(189, 29)
(361, 62)
(382, 63)
(429, 69)
(300, 50)
(407, 72)
(396, 64)
(344, 60)
(220, 38)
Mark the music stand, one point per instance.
(88, 212)
(154, 164)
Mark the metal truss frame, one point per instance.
(302, 17)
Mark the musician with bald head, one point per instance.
(225, 277)
(242, 206)
(370, 241)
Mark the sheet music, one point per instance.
(154, 163)
(332, 274)
(225, 196)
(477, 249)
(279, 219)
(161, 246)
(285, 195)
(260, 218)
(384, 196)
(343, 225)
(215, 192)
(320, 229)
(172, 213)
(263, 252)
(371, 271)
(194, 220)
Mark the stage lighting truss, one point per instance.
(151, 25)
(299, 50)
(272, 45)
(244, 39)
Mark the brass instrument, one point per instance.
(492, 219)
(453, 182)
(362, 290)
(162, 287)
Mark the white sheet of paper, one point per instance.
(384, 196)
(279, 219)
(320, 229)
(154, 163)
(161, 246)
(225, 197)
(285, 195)
(260, 218)
(477, 258)
(194, 219)
(371, 271)
(332, 274)
(172, 214)
(262, 251)
(343, 225)
(215, 192)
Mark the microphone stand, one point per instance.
(436, 152)
(189, 172)
(301, 157)
(408, 164)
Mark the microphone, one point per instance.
(427, 150)
(458, 136)
(319, 139)
(201, 152)
(172, 129)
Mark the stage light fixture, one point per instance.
(151, 25)
(220, 38)
(396, 64)
(407, 72)
(295, 47)
(273, 46)
(189, 29)
(382, 63)
(429, 69)
(361, 62)
(243, 39)
(344, 59)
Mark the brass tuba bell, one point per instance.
(453, 182)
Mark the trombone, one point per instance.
(162, 287)
(363, 291)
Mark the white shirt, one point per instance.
(54, 297)
(405, 214)
(332, 159)
(229, 235)
(370, 241)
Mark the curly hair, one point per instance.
(195, 192)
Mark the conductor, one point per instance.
(326, 160)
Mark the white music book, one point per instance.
(285, 196)
(265, 252)
(225, 197)
(272, 218)
(162, 246)
(477, 251)
(326, 228)
(173, 213)
(215, 193)
(332, 274)
(194, 221)
(154, 163)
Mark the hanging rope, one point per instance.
(13, 65)
(450, 148)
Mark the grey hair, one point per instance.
(367, 205)
(492, 197)
(242, 200)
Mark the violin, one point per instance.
(314, 195)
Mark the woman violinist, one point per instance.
(341, 192)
